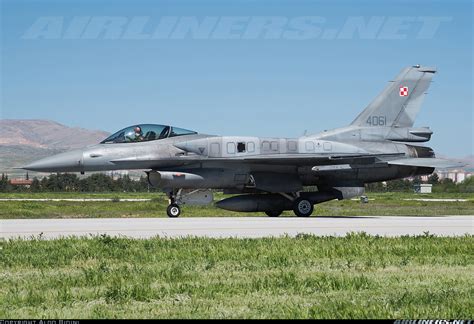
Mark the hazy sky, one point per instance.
(265, 68)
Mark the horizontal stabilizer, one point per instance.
(427, 162)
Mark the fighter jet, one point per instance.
(272, 175)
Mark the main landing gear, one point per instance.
(273, 213)
(301, 203)
(302, 207)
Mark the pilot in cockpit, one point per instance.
(137, 136)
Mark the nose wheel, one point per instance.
(173, 210)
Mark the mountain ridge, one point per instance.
(48, 134)
(25, 140)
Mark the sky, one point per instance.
(256, 68)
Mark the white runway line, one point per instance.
(244, 227)
(437, 199)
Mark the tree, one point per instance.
(5, 185)
(399, 185)
(376, 187)
(433, 179)
(467, 185)
(97, 182)
(35, 185)
(446, 185)
(417, 180)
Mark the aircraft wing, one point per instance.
(342, 159)
(313, 160)
(427, 162)
(360, 159)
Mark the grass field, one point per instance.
(356, 276)
(384, 204)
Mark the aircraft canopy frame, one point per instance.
(145, 133)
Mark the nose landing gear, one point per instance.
(181, 197)
(173, 210)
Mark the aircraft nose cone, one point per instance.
(64, 162)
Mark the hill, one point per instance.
(26, 140)
(46, 134)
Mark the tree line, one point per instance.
(439, 185)
(67, 182)
(99, 182)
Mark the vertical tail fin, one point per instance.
(399, 103)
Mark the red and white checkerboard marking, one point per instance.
(403, 91)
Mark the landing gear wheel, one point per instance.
(302, 207)
(274, 213)
(173, 210)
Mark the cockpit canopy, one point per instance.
(145, 133)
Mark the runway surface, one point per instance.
(247, 227)
(149, 199)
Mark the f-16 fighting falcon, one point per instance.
(269, 174)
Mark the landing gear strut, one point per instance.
(173, 209)
(302, 207)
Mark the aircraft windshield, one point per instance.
(144, 133)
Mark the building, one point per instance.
(457, 175)
(21, 182)
(423, 188)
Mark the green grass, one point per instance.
(109, 195)
(384, 204)
(356, 276)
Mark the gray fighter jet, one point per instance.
(270, 174)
